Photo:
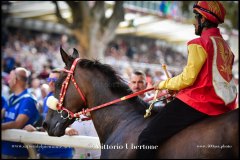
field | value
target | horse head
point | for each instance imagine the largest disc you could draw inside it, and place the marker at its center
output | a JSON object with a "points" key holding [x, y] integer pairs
{"points": [[64, 103], [79, 91]]}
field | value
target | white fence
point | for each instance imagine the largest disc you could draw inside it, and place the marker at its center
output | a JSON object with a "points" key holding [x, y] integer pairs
{"points": [[29, 138]]}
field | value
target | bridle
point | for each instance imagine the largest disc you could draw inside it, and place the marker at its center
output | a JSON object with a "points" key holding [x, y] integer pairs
{"points": [[77, 116], [60, 107]]}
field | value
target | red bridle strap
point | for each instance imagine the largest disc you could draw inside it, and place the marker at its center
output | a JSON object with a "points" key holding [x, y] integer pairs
{"points": [[84, 112], [66, 82]]}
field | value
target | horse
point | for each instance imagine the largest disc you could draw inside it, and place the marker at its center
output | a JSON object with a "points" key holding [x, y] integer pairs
{"points": [[119, 125]]}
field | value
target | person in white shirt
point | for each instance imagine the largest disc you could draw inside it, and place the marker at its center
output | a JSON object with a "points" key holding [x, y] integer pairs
{"points": [[86, 128]]}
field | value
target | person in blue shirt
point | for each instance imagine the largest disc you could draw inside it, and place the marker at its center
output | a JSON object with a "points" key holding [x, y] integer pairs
{"points": [[21, 111], [53, 77], [3, 107], [47, 151]]}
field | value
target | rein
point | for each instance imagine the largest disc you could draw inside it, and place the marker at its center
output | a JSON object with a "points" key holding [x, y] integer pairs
{"points": [[117, 100], [70, 115]]}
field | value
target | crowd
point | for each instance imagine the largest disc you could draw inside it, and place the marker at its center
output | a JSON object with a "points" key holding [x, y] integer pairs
{"points": [[24, 47], [146, 50]]}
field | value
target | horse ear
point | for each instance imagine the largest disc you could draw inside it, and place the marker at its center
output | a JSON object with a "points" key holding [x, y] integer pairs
{"points": [[75, 53], [65, 56]]}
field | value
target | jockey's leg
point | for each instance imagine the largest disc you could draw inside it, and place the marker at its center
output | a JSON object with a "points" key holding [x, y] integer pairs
{"points": [[174, 117]]}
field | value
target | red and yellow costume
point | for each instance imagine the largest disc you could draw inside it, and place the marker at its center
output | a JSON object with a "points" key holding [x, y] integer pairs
{"points": [[206, 82]]}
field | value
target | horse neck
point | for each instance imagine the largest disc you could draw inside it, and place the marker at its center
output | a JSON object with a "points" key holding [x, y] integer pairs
{"points": [[110, 118], [117, 116]]}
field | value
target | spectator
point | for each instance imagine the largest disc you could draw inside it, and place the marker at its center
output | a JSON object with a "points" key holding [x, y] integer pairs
{"points": [[86, 128], [138, 83], [130, 52], [35, 89], [5, 89], [45, 72], [9, 62], [44, 92], [53, 77], [3, 107], [20, 112]]}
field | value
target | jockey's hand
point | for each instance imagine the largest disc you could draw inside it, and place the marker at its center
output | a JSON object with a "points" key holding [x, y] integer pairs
{"points": [[155, 86]]}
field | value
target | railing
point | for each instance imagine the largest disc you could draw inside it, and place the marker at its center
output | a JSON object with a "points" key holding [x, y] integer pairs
{"points": [[30, 138]]}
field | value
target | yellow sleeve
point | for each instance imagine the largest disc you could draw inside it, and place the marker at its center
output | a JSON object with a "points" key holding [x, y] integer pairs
{"points": [[196, 58]]}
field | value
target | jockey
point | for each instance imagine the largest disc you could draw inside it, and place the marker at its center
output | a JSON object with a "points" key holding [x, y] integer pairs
{"points": [[206, 86]]}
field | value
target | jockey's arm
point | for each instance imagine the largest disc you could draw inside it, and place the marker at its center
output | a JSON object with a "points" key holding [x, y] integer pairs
{"points": [[196, 58]]}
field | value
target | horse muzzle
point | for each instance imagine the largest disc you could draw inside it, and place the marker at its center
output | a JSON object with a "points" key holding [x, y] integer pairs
{"points": [[56, 131]]}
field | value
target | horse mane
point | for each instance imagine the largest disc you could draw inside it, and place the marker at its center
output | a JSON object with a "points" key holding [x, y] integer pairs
{"points": [[116, 83]]}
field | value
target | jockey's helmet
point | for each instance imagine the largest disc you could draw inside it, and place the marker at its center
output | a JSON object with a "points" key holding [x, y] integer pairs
{"points": [[211, 10]]}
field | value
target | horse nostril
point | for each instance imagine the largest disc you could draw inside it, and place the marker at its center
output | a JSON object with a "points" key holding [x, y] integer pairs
{"points": [[44, 125]]}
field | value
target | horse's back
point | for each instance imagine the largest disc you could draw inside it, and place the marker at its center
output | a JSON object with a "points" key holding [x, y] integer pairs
{"points": [[215, 137]]}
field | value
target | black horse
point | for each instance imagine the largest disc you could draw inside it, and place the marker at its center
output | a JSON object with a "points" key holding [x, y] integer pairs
{"points": [[119, 125]]}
